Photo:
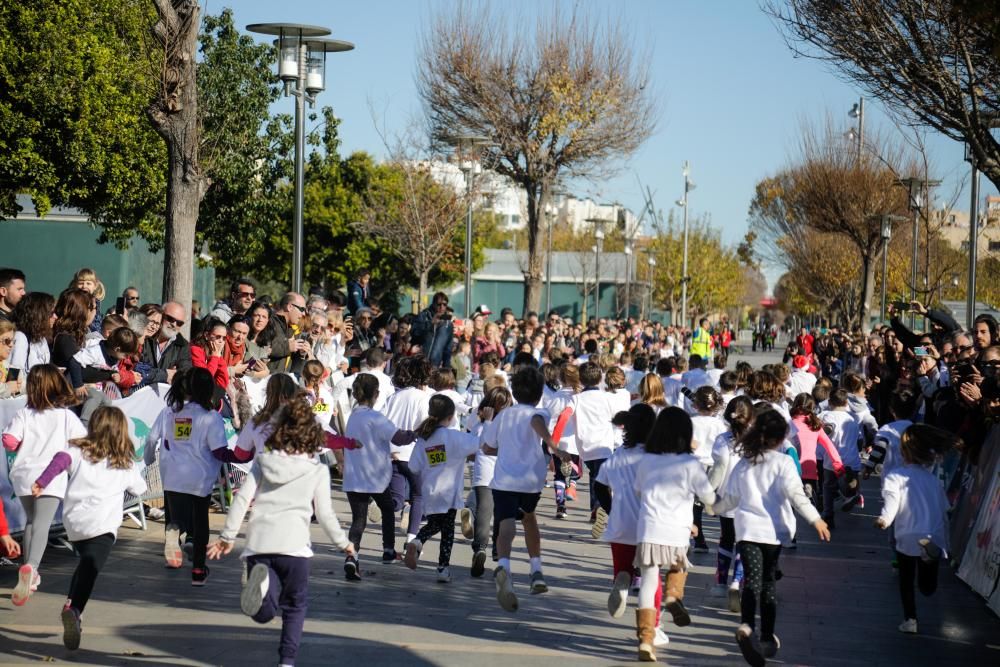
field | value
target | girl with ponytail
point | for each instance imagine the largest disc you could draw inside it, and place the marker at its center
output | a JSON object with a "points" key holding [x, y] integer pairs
{"points": [[438, 460]]}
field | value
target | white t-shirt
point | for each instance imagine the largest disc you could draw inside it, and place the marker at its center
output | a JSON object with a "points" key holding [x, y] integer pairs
{"points": [[706, 428], [369, 469], [763, 495], [440, 463], [696, 378], [800, 382], [672, 391], [591, 420], [521, 464], [891, 434], [621, 401], [714, 374], [252, 438], [25, 356], [667, 485], [94, 496], [618, 473], [917, 506], [482, 470], [632, 380], [844, 438], [462, 409], [189, 438], [555, 404], [724, 459], [406, 409], [43, 434]]}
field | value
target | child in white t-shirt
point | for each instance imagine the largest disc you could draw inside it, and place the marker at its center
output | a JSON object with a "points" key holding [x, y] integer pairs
{"points": [[592, 411], [407, 408], [915, 505], [495, 401], [281, 388], [100, 470], [707, 426], [439, 457], [844, 431], [368, 471], [617, 477], [443, 382], [193, 447], [39, 431], [668, 479], [763, 489], [521, 443]]}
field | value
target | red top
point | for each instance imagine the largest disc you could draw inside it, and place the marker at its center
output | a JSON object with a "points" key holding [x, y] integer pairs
{"points": [[806, 343], [808, 439], [4, 530], [215, 365]]}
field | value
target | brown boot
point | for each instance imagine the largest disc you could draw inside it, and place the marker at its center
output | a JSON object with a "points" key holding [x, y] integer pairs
{"points": [[645, 628], [675, 598]]}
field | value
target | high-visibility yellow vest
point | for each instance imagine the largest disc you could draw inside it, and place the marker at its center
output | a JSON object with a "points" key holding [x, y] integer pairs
{"points": [[701, 343]]}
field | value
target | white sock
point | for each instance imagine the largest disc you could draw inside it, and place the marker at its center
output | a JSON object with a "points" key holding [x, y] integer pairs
{"points": [[504, 563], [410, 537], [536, 564]]}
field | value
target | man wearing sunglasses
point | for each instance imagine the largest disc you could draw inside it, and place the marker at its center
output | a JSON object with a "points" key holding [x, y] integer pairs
{"points": [[168, 351], [242, 294], [291, 320]]}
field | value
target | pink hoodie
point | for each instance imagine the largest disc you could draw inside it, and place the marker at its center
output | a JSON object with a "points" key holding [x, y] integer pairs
{"points": [[808, 440]]}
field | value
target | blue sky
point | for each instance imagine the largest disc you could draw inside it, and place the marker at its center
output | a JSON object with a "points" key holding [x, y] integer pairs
{"points": [[732, 97]]}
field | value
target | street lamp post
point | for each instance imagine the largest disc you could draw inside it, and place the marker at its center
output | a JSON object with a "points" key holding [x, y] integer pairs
{"points": [[599, 236], [886, 235], [302, 68], [628, 278], [858, 111], [688, 187], [466, 147], [917, 189], [970, 293], [651, 264], [551, 212]]}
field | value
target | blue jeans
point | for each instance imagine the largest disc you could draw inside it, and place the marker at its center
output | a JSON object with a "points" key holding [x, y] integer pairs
{"points": [[287, 592]]}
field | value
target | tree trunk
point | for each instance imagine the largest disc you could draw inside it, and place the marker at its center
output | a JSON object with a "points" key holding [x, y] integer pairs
{"points": [[422, 289], [174, 115], [533, 275], [867, 288]]}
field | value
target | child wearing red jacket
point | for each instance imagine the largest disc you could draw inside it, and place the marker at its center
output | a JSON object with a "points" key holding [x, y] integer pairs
{"points": [[810, 435]]}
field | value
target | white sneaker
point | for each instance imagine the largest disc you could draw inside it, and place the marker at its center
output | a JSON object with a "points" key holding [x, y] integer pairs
{"points": [[172, 553], [468, 529], [412, 554], [618, 597], [22, 591], [660, 638], [734, 598], [154, 513], [255, 590], [444, 575], [909, 626], [505, 589], [374, 513]]}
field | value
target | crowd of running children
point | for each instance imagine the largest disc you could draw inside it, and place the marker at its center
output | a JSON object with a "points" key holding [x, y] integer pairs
{"points": [[663, 440]]}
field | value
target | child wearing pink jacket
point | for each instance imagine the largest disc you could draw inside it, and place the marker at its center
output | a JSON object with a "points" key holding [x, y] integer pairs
{"points": [[809, 434]]}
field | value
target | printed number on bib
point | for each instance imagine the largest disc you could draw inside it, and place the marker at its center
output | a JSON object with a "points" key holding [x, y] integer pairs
{"points": [[321, 407], [436, 455], [182, 428]]}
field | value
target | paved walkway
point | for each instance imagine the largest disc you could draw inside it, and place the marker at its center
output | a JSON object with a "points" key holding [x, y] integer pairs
{"points": [[838, 606]]}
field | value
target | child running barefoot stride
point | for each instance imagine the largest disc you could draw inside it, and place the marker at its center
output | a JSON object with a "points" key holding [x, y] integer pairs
{"points": [[438, 459], [617, 476], [915, 504], [520, 444], [38, 432], [667, 480], [287, 485], [763, 488], [100, 470]]}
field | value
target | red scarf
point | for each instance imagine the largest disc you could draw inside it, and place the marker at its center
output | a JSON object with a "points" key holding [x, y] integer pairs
{"points": [[233, 353]]}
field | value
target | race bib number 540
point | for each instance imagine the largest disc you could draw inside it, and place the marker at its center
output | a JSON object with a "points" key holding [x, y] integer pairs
{"points": [[436, 455], [182, 428]]}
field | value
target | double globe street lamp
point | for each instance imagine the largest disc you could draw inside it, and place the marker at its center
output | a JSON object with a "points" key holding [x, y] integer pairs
{"points": [[302, 68]]}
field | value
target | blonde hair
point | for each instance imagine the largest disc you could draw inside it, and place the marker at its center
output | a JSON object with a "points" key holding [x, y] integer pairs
{"points": [[651, 390], [107, 438], [89, 274], [614, 379]]}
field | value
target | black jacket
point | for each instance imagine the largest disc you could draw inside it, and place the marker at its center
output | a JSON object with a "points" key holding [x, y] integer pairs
{"points": [[176, 356]]}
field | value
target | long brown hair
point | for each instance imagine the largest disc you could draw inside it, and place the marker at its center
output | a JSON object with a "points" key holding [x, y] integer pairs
{"points": [[107, 438], [804, 405], [923, 444], [439, 409], [33, 316], [498, 398], [48, 388], [72, 309], [296, 429], [651, 390]]}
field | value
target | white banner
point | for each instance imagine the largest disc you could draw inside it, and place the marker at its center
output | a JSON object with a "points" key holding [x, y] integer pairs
{"points": [[980, 567]]}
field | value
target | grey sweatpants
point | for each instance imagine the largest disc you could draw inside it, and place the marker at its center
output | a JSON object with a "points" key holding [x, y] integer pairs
{"points": [[39, 513]]}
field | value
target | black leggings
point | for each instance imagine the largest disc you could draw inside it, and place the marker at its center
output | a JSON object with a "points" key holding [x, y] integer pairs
{"points": [[190, 513], [926, 574], [359, 518], [760, 561], [445, 524], [93, 553]]}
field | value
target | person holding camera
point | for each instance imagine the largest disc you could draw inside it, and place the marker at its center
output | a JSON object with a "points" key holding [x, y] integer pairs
{"points": [[434, 331]]}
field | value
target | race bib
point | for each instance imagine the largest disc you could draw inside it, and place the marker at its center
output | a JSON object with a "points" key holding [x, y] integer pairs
{"points": [[436, 455], [182, 428], [321, 407]]}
